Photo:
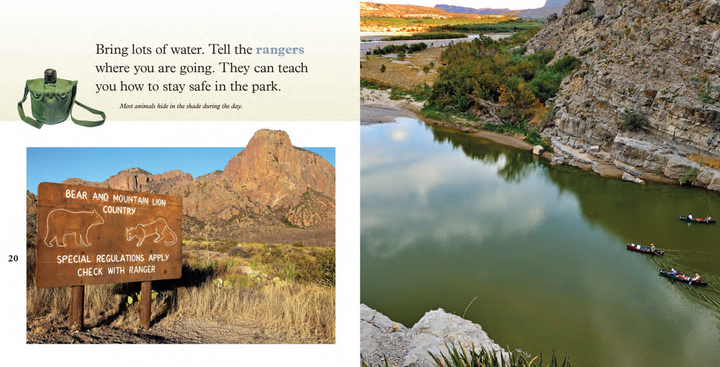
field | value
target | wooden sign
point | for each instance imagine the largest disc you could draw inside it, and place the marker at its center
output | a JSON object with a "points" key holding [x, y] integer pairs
{"points": [[89, 235]]}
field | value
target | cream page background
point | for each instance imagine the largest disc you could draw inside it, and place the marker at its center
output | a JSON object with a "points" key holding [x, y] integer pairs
{"points": [[319, 109], [63, 35]]}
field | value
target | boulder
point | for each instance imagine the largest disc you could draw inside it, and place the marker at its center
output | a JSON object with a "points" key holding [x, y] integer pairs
{"points": [[576, 7], [538, 150], [437, 329], [628, 177], [628, 169], [381, 338], [600, 9]]}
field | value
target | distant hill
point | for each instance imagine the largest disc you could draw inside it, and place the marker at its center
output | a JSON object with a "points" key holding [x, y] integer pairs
{"points": [[368, 9], [466, 10], [549, 3], [551, 6]]}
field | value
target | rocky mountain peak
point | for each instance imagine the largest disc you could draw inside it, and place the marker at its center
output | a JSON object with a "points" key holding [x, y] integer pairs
{"points": [[271, 171]]}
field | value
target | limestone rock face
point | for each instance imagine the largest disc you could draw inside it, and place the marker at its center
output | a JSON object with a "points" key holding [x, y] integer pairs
{"points": [[715, 183], [679, 167], [381, 337], [660, 60]]}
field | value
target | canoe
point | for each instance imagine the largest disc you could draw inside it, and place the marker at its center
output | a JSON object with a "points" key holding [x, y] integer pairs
{"points": [[698, 220], [682, 278], [643, 249]]}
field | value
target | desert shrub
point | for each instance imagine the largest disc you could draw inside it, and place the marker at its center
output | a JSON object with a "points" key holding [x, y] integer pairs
{"points": [[382, 68], [633, 121], [298, 244], [326, 267], [240, 252], [706, 98], [240, 281], [225, 246]]}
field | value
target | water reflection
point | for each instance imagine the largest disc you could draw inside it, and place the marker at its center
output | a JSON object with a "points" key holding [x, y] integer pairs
{"points": [[447, 217]]}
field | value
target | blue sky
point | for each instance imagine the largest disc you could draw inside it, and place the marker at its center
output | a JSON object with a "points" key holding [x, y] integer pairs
{"points": [[97, 164], [498, 4]]}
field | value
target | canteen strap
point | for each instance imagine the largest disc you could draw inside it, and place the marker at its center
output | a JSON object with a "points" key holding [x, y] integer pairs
{"points": [[29, 120], [91, 110]]}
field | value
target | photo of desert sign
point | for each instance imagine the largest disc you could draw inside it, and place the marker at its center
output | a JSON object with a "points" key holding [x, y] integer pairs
{"points": [[240, 251], [540, 183]]}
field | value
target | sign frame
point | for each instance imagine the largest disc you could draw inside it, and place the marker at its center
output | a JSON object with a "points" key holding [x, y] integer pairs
{"points": [[93, 235]]}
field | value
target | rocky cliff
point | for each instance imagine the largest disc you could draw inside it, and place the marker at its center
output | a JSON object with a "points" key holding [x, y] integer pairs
{"points": [[381, 338], [649, 61], [271, 191]]}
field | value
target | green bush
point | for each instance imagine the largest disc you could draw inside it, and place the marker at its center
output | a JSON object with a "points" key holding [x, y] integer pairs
{"points": [[706, 98], [633, 121], [482, 67]]}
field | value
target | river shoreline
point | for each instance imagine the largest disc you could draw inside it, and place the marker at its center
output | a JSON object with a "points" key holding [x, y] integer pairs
{"points": [[377, 107]]}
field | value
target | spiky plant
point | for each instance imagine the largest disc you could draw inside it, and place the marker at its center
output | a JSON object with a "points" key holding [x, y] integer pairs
{"points": [[484, 358]]}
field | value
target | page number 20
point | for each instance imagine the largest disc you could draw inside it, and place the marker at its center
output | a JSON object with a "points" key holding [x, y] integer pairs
{"points": [[13, 258]]}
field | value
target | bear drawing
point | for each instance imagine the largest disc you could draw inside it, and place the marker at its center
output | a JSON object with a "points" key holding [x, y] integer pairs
{"points": [[63, 222]]}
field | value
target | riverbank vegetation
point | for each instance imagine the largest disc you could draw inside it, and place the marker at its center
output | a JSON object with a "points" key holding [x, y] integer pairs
{"points": [[496, 81], [398, 49], [459, 357], [285, 286], [505, 26], [426, 36], [495, 24]]}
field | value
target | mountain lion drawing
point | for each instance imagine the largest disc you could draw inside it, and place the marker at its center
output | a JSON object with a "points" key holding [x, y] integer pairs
{"points": [[159, 228], [62, 223]]}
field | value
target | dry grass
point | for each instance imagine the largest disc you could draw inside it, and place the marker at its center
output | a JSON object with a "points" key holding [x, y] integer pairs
{"points": [[304, 310], [705, 161], [101, 302], [254, 287]]}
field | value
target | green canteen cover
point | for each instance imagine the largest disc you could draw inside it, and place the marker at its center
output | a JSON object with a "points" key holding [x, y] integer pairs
{"points": [[52, 103]]}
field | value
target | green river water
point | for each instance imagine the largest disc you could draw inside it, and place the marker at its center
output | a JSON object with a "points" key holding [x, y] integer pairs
{"points": [[448, 217]]}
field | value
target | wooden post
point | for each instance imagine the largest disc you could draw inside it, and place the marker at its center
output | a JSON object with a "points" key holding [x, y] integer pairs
{"points": [[145, 304], [77, 307]]}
